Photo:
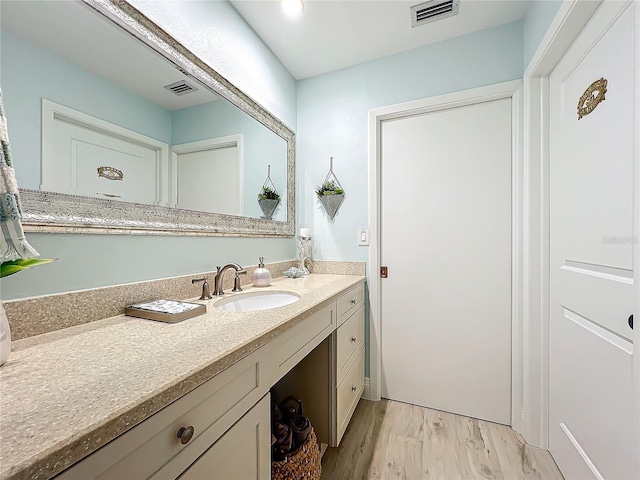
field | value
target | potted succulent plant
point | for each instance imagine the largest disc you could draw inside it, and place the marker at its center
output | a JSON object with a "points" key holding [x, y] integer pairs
{"points": [[331, 195], [6, 269], [268, 198]]}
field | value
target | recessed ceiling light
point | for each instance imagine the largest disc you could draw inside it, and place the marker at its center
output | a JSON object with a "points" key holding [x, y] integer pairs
{"points": [[292, 8]]}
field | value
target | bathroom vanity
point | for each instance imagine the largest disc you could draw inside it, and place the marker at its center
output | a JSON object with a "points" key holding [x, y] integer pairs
{"points": [[133, 398]]}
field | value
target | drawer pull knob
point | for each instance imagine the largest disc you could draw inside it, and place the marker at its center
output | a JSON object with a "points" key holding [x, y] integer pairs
{"points": [[353, 301], [353, 389], [354, 339], [185, 434]]}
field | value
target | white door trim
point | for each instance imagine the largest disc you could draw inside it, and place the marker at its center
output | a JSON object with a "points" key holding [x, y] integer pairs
{"points": [[457, 99], [569, 21]]}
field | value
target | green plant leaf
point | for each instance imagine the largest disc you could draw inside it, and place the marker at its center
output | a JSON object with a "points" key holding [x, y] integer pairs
{"points": [[268, 194], [6, 270], [15, 266], [34, 262], [329, 188]]}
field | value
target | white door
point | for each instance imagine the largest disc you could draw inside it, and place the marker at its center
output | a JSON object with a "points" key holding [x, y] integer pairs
{"points": [[593, 279], [208, 181], [446, 239]]}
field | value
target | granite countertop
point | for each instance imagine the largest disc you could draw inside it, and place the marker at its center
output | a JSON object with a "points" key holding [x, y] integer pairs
{"points": [[66, 393]]}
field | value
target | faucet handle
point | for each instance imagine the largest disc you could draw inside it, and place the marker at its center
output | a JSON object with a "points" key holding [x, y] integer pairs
{"points": [[206, 292], [236, 282]]}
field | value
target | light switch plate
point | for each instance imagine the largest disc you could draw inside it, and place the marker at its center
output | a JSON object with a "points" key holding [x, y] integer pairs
{"points": [[363, 236]]}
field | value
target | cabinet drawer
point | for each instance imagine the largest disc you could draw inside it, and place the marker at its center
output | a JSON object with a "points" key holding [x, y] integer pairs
{"points": [[349, 303], [349, 340], [349, 392], [296, 343], [210, 409], [243, 453]]}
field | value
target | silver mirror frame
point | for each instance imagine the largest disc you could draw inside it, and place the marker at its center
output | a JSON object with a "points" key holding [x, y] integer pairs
{"points": [[62, 213]]}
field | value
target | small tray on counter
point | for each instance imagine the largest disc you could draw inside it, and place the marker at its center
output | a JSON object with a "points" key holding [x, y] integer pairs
{"points": [[170, 311]]}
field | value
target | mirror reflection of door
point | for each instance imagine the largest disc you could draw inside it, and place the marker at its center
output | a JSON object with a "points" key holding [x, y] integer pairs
{"points": [[77, 147], [209, 175]]}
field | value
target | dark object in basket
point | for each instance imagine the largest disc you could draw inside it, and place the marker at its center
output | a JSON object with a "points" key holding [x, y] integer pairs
{"points": [[305, 463], [300, 428], [295, 450], [290, 407], [284, 441], [289, 427]]}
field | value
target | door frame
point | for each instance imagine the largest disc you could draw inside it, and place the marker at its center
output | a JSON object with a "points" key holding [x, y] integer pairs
{"points": [[513, 90], [568, 23]]}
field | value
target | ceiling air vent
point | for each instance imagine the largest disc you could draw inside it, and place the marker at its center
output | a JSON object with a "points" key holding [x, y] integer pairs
{"points": [[434, 10], [181, 88]]}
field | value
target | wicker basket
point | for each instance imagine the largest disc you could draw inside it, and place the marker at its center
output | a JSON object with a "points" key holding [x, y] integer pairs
{"points": [[303, 463]]}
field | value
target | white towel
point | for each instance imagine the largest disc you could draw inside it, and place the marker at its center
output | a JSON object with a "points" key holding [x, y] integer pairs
{"points": [[13, 244]]}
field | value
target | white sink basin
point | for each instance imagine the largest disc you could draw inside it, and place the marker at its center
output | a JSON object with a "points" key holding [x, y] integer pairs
{"points": [[248, 302]]}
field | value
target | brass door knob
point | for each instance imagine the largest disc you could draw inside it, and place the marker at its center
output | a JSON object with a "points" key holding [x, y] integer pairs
{"points": [[185, 434]]}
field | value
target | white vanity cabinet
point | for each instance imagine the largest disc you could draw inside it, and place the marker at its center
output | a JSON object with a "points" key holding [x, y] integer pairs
{"points": [[349, 340], [330, 376], [221, 429], [296, 343], [170, 441]]}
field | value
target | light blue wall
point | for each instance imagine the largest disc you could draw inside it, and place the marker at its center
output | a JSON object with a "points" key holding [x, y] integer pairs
{"points": [[216, 32], [89, 261], [333, 120], [536, 23], [261, 147], [29, 73]]}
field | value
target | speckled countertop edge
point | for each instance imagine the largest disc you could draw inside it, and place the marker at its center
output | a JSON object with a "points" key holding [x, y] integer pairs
{"points": [[65, 394]]}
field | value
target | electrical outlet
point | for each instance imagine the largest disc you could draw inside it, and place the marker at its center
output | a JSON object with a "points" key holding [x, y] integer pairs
{"points": [[363, 236]]}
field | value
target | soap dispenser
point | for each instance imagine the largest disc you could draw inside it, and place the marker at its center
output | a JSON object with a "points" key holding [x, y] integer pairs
{"points": [[261, 275]]}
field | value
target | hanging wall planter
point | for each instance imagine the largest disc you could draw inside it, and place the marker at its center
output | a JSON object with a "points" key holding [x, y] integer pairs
{"points": [[330, 193], [268, 198]]}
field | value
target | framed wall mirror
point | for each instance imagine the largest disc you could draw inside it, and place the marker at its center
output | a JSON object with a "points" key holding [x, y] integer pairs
{"points": [[116, 127]]}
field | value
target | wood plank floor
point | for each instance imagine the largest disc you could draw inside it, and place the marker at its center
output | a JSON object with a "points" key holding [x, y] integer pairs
{"points": [[394, 440]]}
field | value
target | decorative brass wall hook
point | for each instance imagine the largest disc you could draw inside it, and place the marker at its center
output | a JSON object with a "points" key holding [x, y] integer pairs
{"points": [[592, 97], [110, 173]]}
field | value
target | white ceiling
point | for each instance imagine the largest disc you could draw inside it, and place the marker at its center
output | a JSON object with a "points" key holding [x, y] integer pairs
{"points": [[333, 34]]}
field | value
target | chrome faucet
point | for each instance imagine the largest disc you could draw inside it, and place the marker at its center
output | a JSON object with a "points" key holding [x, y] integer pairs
{"points": [[220, 271]]}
